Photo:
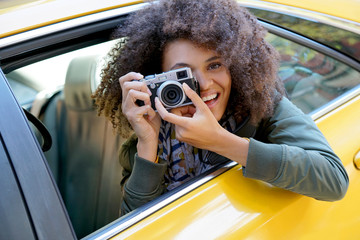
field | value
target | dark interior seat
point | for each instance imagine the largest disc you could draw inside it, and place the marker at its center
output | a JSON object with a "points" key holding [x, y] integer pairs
{"points": [[84, 155]]}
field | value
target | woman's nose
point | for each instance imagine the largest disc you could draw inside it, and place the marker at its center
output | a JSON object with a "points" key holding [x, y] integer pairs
{"points": [[204, 81]]}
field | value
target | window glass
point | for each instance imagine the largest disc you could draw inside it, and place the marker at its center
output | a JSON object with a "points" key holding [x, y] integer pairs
{"points": [[343, 40], [48, 75], [312, 79]]}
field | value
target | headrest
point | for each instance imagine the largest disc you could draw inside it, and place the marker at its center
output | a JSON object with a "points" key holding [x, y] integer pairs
{"points": [[81, 77]]}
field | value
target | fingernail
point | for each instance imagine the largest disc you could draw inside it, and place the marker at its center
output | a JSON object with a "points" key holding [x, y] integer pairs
{"points": [[185, 86], [140, 75]]}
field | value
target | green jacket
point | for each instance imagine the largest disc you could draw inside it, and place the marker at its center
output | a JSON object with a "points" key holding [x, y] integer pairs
{"points": [[287, 150]]}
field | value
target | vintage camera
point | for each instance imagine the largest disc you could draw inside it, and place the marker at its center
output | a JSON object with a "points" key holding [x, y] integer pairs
{"points": [[167, 87]]}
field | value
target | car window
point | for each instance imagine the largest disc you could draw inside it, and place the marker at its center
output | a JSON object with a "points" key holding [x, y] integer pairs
{"points": [[344, 40], [90, 188], [25, 94], [312, 79], [48, 75], [83, 156]]}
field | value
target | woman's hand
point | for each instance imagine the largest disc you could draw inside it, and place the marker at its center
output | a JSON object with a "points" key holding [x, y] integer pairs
{"points": [[143, 119], [197, 126]]}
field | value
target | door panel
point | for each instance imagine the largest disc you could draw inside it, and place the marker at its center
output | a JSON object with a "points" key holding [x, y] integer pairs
{"points": [[41, 198], [12, 206], [232, 206]]}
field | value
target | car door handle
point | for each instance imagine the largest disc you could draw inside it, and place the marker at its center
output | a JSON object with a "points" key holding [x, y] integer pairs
{"points": [[357, 160]]}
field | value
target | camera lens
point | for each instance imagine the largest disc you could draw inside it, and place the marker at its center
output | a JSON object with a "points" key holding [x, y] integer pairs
{"points": [[171, 94]]}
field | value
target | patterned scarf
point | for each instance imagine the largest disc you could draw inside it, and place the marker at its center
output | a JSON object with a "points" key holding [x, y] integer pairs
{"points": [[185, 161]]}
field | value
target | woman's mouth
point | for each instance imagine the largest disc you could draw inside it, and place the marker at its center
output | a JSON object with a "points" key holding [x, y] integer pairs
{"points": [[210, 99]]}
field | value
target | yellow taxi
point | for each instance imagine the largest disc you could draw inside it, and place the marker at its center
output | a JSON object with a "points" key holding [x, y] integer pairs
{"points": [[59, 172]]}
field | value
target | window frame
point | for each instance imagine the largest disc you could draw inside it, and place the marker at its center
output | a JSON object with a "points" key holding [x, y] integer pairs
{"points": [[34, 181], [39, 44]]}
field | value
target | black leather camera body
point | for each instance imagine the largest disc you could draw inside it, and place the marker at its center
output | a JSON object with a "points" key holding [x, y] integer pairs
{"points": [[168, 88]]}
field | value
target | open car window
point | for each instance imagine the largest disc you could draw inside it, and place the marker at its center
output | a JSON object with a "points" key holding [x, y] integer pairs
{"points": [[84, 160], [311, 78], [49, 75]]}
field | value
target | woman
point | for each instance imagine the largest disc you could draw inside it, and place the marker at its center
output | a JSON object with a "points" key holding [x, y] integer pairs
{"points": [[240, 114]]}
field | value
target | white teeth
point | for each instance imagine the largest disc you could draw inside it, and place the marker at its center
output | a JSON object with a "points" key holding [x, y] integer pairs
{"points": [[210, 97]]}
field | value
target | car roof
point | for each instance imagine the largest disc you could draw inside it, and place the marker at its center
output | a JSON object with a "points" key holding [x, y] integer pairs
{"points": [[24, 15]]}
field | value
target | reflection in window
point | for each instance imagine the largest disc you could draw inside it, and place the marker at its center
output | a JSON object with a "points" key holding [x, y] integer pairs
{"points": [[311, 78], [345, 41]]}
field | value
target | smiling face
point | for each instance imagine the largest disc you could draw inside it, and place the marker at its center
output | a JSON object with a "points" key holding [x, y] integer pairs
{"points": [[208, 68]]}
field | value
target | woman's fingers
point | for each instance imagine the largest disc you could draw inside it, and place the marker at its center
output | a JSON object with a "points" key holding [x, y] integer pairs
{"points": [[169, 117], [195, 98], [180, 116], [129, 82], [129, 101], [136, 115], [134, 86], [130, 77], [135, 95], [133, 90]]}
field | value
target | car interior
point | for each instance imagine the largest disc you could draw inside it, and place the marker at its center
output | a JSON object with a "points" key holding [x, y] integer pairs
{"points": [[84, 158], [84, 153]]}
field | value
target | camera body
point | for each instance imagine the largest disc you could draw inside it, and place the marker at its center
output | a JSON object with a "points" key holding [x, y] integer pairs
{"points": [[168, 88]]}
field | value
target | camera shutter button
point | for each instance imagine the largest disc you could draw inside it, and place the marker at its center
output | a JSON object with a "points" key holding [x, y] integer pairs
{"points": [[152, 85]]}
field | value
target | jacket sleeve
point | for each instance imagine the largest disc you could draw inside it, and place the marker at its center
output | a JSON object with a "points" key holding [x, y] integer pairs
{"points": [[142, 180], [296, 156]]}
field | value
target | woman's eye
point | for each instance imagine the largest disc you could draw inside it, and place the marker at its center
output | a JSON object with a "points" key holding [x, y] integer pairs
{"points": [[214, 66]]}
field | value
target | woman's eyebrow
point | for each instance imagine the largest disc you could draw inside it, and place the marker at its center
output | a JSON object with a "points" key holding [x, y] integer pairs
{"points": [[180, 64], [213, 58], [177, 65]]}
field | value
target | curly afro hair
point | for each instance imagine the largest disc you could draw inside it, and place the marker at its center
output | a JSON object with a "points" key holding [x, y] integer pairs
{"points": [[219, 25]]}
